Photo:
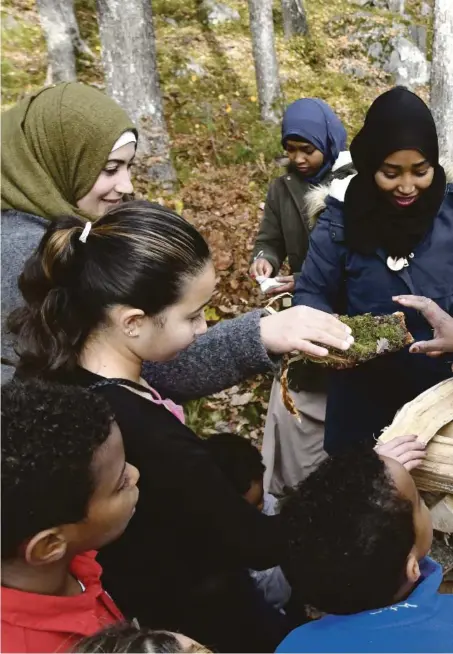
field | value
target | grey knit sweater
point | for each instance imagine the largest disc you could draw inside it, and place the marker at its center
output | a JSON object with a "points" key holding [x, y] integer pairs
{"points": [[227, 354]]}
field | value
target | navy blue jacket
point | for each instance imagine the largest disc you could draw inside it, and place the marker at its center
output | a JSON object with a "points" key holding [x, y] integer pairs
{"points": [[362, 401], [421, 623]]}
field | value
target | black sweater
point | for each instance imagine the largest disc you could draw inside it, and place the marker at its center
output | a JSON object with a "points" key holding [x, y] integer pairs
{"points": [[189, 526]]}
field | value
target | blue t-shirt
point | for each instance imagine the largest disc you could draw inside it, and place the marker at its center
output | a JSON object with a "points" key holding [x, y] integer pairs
{"points": [[421, 623]]}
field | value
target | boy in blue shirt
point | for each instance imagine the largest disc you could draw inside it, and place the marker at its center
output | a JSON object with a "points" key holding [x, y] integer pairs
{"points": [[358, 535]]}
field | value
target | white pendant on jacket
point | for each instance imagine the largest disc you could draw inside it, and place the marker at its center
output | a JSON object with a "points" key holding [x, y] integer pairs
{"points": [[396, 264]]}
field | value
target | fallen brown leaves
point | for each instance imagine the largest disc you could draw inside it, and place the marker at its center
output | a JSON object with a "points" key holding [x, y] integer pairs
{"points": [[224, 204]]}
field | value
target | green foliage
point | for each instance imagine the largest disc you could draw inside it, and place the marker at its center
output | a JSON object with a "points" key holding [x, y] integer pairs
{"points": [[175, 9], [23, 65]]}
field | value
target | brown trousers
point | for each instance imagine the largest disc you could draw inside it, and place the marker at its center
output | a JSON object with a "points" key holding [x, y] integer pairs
{"points": [[291, 449]]}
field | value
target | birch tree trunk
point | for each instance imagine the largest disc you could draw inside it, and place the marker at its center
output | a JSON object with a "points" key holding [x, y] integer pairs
{"points": [[129, 60], [264, 55], [294, 18], [56, 20], [397, 6], [442, 76], [63, 38]]}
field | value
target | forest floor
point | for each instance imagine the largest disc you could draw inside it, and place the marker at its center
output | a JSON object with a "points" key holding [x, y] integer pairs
{"points": [[225, 156]]}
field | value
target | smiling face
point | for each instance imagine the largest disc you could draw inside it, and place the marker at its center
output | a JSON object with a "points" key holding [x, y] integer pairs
{"points": [[404, 176], [112, 184], [304, 156]]}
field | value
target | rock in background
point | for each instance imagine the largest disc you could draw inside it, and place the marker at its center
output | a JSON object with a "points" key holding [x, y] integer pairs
{"points": [[394, 46]]}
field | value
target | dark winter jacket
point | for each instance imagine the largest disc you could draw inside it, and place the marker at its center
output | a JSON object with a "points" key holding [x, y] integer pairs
{"points": [[228, 353], [285, 228], [362, 401], [285, 232]]}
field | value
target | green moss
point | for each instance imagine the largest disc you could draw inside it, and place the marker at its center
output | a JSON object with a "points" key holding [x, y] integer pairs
{"points": [[373, 335], [368, 330]]}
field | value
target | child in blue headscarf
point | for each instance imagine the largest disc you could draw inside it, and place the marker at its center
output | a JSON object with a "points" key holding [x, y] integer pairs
{"points": [[315, 140]]}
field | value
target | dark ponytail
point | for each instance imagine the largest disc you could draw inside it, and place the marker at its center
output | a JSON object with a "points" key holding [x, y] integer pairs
{"points": [[137, 254], [49, 327]]}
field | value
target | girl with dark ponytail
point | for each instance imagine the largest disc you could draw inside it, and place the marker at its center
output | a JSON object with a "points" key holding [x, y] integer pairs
{"points": [[101, 298]]}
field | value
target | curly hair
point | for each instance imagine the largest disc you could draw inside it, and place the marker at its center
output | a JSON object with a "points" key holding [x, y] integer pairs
{"points": [[124, 637], [49, 436], [240, 461], [349, 535]]}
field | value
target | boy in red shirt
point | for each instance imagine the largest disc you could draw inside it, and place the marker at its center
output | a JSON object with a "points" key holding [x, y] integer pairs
{"points": [[66, 491]]}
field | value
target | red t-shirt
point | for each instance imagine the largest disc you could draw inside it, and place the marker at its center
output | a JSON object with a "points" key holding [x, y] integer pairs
{"points": [[48, 623]]}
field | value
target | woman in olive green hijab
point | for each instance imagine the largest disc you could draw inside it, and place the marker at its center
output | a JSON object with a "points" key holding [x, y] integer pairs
{"points": [[65, 150], [55, 145]]}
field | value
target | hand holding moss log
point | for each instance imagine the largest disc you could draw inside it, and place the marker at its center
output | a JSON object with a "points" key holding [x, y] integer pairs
{"points": [[440, 321], [373, 336], [306, 330]]}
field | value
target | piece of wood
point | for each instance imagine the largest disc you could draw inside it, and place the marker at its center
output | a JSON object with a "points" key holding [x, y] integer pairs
{"points": [[374, 336], [442, 515], [425, 416]]}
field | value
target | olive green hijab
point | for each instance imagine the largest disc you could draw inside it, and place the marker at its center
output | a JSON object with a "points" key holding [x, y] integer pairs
{"points": [[54, 147]]}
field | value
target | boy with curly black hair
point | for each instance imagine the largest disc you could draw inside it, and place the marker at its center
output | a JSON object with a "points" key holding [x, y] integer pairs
{"points": [[66, 490], [359, 534]]}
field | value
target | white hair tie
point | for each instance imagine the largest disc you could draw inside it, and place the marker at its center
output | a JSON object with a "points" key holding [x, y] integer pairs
{"points": [[86, 230]]}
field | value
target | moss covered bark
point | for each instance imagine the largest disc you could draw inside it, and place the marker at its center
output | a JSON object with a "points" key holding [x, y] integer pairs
{"points": [[374, 336]]}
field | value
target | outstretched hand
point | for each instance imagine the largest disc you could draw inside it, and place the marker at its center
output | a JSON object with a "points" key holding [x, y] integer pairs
{"points": [[299, 328], [440, 321], [404, 449]]}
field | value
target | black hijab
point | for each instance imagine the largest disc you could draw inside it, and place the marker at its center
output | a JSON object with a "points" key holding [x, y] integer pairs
{"points": [[397, 120]]}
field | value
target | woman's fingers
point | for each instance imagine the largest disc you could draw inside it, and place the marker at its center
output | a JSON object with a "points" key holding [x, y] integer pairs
{"points": [[311, 349], [440, 321], [407, 450], [285, 288], [417, 302], [291, 330], [260, 268], [432, 348]]}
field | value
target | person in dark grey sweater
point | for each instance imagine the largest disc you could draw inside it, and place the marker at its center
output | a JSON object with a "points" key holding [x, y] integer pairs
{"points": [[57, 148]]}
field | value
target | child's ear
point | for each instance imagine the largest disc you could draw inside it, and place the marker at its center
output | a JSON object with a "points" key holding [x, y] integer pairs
{"points": [[412, 568], [129, 320], [46, 547]]}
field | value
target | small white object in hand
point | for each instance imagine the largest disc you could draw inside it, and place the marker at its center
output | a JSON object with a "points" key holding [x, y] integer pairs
{"points": [[266, 283]]}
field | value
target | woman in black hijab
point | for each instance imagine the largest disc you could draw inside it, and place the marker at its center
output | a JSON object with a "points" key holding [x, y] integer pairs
{"points": [[386, 231], [381, 208]]}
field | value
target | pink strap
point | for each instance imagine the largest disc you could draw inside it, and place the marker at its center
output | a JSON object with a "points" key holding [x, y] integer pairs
{"points": [[176, 409]]}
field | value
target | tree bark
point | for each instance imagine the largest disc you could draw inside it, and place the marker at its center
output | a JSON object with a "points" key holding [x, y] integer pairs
{"points": [[442, 76], [129, 59], [264, 55], [58, 22], [397, 6], [294, 18]]}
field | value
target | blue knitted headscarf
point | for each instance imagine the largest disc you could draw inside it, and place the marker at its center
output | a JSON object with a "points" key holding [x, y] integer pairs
{"points": [[312, 120]]}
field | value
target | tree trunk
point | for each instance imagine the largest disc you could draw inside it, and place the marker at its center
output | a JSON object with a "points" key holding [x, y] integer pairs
{"points": [[129, 59], [397, 6], [264, 55], [442, 76], [58, 20], [294, 18]]}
